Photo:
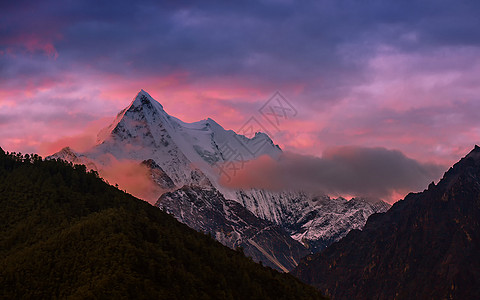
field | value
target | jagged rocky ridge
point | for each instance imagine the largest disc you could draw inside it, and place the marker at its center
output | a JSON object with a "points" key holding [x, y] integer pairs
{"points": [[206, 209], [315, 221], [425, 247], [180, 154]]}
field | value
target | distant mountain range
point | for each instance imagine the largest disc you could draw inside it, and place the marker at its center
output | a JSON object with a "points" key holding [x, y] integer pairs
{"points": [[184, 163], [426, 246]]}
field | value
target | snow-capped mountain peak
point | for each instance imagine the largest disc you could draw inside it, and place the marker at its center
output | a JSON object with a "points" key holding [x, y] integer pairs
{"points": [[144, 130], [179, 154], [144, 98], [142, 105]]}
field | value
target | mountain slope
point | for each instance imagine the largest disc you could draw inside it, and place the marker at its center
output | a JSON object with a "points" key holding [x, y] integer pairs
{"points": [[177, 154], [315, 221], [196, 154], [206, 210], [67, 234], [425, 247]]}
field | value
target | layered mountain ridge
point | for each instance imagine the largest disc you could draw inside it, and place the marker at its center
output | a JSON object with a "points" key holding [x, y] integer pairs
{"points": [[207, 210], [315, 221], [425, 247], [189, 156]]}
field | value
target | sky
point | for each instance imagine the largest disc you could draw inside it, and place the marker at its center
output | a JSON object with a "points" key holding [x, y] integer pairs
{"points": [[403, 76]]}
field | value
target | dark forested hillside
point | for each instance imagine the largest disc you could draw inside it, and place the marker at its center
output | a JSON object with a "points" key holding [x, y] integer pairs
{"points": [[66, 233]]}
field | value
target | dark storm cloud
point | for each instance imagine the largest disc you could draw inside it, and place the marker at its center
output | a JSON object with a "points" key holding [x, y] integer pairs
{"points": [[271, 41], [357, 171]]}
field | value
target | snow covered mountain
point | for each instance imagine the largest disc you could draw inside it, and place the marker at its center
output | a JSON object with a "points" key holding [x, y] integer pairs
{"points": [[144, 131], [183, 157], [315, 221], [206, 209]]}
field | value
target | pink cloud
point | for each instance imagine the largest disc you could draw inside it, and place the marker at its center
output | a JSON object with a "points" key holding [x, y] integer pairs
{"points": [[133, 177], [30, 43], [421, 111], [80, 142]]}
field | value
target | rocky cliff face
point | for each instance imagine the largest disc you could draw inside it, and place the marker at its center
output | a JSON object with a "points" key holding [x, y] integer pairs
{"points": [[315, 221], [425, 247], [205, 209]]}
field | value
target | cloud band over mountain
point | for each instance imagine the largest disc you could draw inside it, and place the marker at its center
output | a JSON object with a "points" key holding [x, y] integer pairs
{"points": [[349, 170]]}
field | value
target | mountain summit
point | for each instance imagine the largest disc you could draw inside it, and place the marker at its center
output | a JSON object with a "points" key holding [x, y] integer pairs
{"points": [[425, 247], [144, 98], [184, 161], [143, 130], [142, 104]]}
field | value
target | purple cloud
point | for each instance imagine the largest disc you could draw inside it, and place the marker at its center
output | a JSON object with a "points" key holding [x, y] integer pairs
{"points": [[403, 75]]}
